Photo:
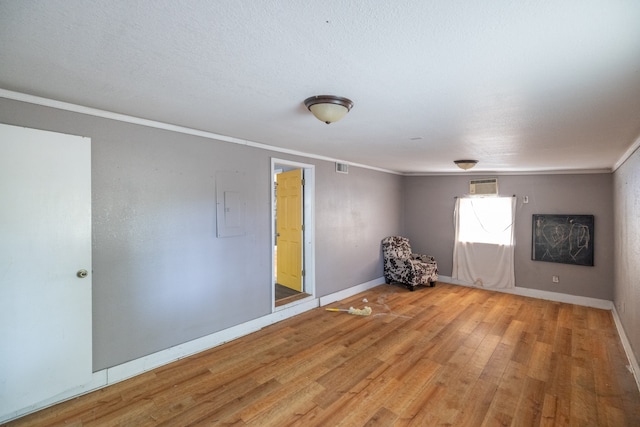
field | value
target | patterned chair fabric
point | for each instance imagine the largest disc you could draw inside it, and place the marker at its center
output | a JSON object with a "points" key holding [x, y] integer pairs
{"points": [[403, 266]]}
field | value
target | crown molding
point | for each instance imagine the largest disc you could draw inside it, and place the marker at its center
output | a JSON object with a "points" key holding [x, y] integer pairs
{"points": [[96, 112], [634, 147]]}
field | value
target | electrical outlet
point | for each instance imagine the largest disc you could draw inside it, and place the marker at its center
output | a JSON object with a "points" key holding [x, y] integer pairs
{"points": [[525, 199], [555, 279]]}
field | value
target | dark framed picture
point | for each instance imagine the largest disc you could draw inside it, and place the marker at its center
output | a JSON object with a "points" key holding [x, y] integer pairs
{"points": [[567, 239]]}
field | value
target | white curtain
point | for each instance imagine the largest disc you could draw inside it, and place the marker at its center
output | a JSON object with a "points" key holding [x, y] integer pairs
{"points": [[483, 253]]}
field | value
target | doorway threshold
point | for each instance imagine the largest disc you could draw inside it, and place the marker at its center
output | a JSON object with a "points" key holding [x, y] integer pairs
{"points": [[290, 299]]}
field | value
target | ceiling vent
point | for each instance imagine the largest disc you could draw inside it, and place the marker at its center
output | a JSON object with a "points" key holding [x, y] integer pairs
{"points": [[342, 168], [483, 187]]}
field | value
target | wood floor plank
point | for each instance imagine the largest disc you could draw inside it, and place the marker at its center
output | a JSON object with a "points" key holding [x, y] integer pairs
{"points": [[559, 388], [583, 397], [382, 418], [529, 410], [550, 411], [295, 397], [563, 342], [447, 355], [524, 348], [504, 406], [369, 399], [340, 380], [413, 387], [540, 362]]}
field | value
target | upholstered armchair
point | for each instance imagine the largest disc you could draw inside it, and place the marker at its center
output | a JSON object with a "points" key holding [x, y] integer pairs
{"points": [[404, 267]]}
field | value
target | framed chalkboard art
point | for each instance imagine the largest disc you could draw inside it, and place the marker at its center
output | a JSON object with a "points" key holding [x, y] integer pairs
{"points": [[567, 239]]}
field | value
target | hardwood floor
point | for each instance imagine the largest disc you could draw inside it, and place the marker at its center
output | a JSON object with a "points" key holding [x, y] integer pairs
{"points": [[447, 355]]}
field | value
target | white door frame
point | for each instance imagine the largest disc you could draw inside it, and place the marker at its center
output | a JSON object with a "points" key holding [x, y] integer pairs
{"points": [[309, 258]]}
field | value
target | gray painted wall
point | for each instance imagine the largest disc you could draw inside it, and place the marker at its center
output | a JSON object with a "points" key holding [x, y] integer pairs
{"points": [[161, 277], [429, 202], [626, 295], [359, 210]]}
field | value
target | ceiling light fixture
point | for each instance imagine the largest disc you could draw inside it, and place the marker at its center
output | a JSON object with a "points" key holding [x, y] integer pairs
{"points": [[328, 108], [465, 164]]}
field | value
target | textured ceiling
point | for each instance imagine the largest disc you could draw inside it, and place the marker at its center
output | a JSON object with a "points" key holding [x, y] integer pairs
{"points": [[522, 86]]}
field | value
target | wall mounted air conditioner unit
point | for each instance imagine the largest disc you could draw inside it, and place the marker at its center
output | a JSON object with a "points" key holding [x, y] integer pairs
{"points": [[483, 187]]}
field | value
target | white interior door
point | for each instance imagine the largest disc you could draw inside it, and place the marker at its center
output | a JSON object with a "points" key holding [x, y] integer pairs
{"points": [[45, 240]]}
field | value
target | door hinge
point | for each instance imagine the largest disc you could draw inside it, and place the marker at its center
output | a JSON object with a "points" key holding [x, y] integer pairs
{"points": [[302, 182], [302, 273], [302, 227]]}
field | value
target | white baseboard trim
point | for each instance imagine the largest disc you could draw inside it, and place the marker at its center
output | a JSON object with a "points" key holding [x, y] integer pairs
{"points": [[537, 293], [340, 295], [115, 374], [633, 362], [98, 380], [110, 376], [135, 367]]}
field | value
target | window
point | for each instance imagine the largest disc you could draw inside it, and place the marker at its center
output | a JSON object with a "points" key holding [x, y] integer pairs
{"points": [[485, 220], [483, 251]]}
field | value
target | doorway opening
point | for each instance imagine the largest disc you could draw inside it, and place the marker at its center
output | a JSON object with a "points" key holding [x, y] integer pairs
{"points": [[293, 258]]}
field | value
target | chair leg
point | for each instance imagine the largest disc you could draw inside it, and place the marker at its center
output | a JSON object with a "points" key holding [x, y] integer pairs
{"points": [[411, 288], [432, 284]]}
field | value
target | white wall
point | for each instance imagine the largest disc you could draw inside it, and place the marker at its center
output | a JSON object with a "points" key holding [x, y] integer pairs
{"points": [[626, 293]]}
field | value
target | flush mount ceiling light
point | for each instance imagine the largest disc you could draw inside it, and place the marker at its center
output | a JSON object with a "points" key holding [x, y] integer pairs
{"points": [[328, 108], [465, 164]]}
